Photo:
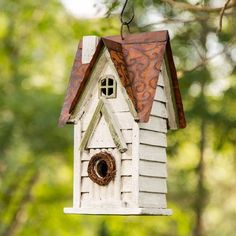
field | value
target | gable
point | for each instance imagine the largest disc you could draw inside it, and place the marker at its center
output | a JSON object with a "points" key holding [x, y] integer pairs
{"points": [[103, 113], [138, 60]]}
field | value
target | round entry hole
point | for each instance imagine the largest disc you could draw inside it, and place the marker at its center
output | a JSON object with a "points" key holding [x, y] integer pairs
{"points": [[102, 168]]}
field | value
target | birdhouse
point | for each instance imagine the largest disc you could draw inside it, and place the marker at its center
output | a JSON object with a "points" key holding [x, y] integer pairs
{"points": [[123, 97]]}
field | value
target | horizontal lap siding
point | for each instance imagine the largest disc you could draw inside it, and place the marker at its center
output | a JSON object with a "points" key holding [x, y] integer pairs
{"points": [[159, 109], [157, 124], [152, 153], [153, 138], [152, 169], [160, 94], [152, 184], [152, 200]]}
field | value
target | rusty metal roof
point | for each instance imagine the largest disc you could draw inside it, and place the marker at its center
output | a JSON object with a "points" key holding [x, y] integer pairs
{"points": [[138, 60]]}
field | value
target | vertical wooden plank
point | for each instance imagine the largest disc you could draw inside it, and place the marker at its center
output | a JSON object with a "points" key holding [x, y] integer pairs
{"points": [[77, 166], [117, 182], [92, 187], [135, 163], [89, 46], [171, 104]]}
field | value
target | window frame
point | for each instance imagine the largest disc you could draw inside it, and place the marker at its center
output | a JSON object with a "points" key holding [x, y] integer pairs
{"points": [[107, 86]]}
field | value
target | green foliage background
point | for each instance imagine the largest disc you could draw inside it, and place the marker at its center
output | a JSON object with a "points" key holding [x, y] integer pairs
{"points": [[38, 40]]}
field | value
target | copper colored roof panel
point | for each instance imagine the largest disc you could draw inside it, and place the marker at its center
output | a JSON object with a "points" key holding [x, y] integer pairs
{"points": [[138, 60]]}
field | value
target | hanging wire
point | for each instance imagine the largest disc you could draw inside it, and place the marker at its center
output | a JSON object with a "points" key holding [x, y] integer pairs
{"points": [[123, 21]]}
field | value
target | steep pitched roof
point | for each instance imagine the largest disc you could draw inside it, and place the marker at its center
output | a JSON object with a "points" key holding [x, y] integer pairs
{"points": [[138, 60]]}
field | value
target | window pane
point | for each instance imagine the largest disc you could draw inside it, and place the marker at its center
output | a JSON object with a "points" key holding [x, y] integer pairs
{"points": [[110, 91], [103, 82], [110, 82], [103, 91]]}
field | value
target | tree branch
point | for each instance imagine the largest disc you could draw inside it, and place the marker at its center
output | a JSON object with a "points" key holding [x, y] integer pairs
{"points": [[206, 60], [198, 8], [222, 15]]}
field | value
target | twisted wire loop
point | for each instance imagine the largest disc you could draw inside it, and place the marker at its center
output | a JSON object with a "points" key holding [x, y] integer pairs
{"points": [[123, 21]]}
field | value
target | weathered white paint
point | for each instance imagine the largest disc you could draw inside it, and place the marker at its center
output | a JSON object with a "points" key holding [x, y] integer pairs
{"points": [[89, 47], [119, 211], [127, 134], [159, 109], [117, 181], [140, 183], [101, 136], [77, 166], [135, 162], [126, 167], [127, 200], [153, 138], [152, 153], [122, 89], [90, 92], [125, 120], [126, 184], [128, 154], [155, 124], [171, 110], [160, 81], [152, 169], [160, 94], [151, 184], [85, 184], [152, 200]]}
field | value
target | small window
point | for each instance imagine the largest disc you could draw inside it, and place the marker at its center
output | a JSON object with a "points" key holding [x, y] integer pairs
{"points": [[108, 87]]}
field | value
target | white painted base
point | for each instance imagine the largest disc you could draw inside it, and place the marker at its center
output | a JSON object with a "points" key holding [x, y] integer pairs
{"points": [[119, 211]]}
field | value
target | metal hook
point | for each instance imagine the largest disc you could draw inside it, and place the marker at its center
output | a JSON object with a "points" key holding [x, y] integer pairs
{"points": [[123, 22]]}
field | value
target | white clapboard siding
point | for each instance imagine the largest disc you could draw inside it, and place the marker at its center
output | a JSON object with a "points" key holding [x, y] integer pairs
{"points": [[151, 184], [153, 138], [85, 184], [126, 167], [152, 200], [84, 168], [85, 199], [151, 153], [160, 81], [156, 124], [160, 94], [159, 109], [128, 154], [126, 184], [127, 200], [153, 169], [85, 155]]}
